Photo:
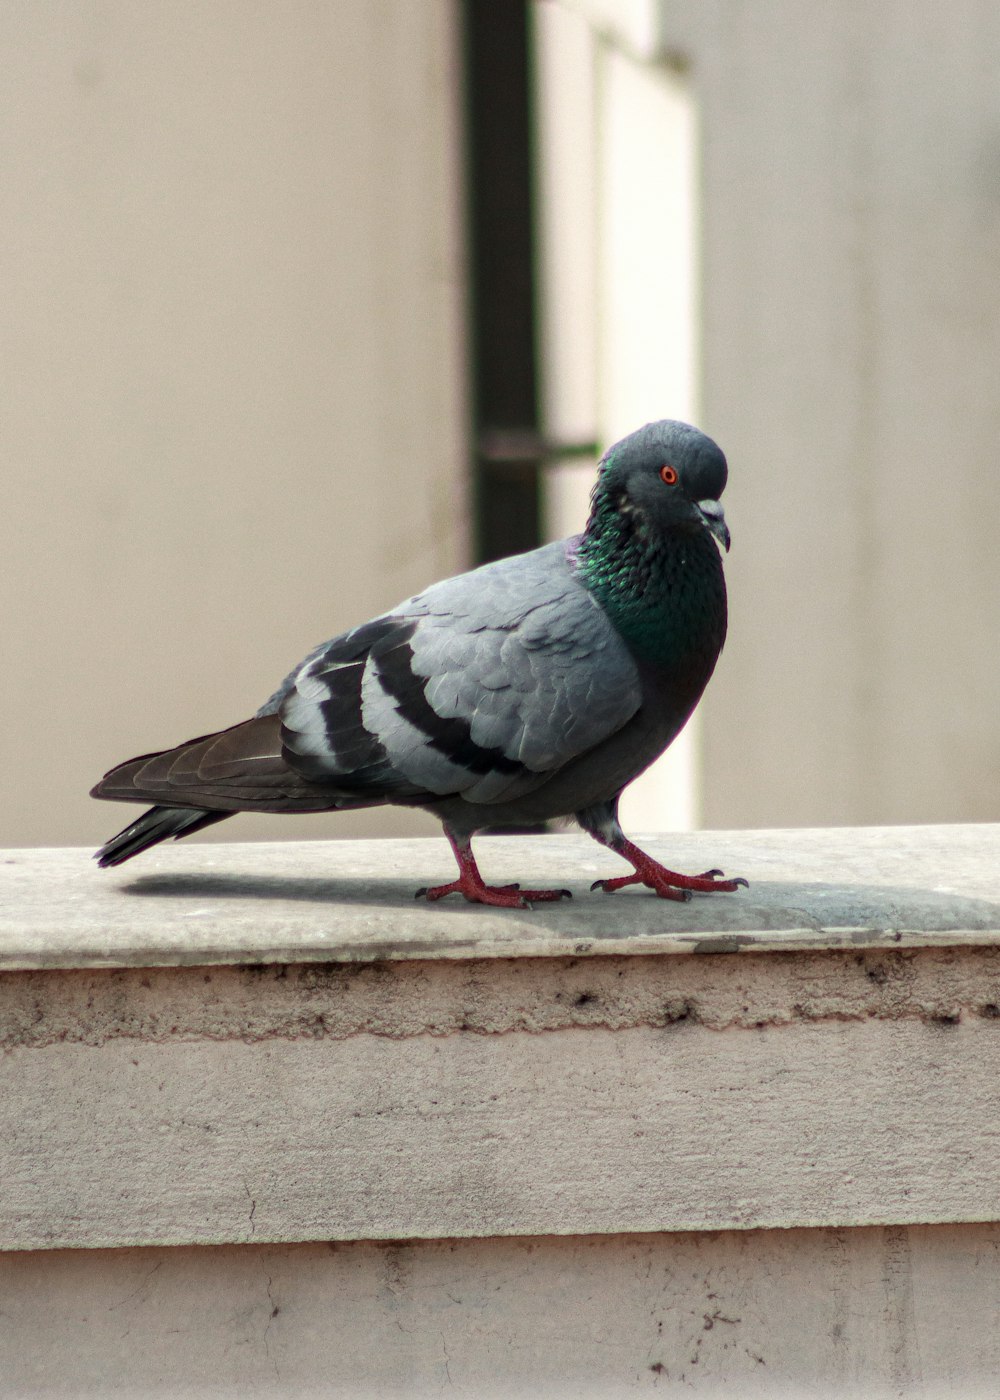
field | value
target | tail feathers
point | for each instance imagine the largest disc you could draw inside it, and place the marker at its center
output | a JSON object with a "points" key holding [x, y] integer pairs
{"points": [[154, 826], [240, 769]]}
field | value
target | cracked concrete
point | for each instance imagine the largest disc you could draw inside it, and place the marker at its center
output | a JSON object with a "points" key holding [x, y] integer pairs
{"points": [[273, 1311], [570, 1131]]}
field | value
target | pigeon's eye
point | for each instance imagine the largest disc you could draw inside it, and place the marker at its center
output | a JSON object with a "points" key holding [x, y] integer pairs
{"points": [[668, 475]]}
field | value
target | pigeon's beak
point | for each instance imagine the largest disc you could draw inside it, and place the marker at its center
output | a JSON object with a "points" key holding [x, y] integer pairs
{"points": [[711, 513]]}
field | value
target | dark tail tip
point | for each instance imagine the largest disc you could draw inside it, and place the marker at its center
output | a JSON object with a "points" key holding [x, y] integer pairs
{"points": [[154, 826]]}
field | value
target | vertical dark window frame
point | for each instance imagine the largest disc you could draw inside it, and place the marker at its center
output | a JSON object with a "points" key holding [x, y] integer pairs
{"points": [[508, 447], [501, 263]]}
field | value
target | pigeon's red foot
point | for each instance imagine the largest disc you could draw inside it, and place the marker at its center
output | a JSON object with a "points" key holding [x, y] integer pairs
{"points": [[667, 884], [502, 896], [471, 885]]}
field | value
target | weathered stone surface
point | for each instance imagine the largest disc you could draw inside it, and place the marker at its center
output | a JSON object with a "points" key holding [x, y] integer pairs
{"points": [[373, 1068], [353, 901], [491, 996], [572, 1131]]}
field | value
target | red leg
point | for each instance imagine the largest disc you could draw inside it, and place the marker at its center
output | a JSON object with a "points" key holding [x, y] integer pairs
{"points": [[667, 884], [471, 885]]}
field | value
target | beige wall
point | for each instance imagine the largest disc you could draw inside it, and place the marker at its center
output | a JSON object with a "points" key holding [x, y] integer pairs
{"points": [[848, 344], [851, 333], [232, 347]]}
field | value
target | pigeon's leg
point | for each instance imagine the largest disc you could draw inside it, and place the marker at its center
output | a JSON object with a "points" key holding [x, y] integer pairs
{"points": [[601, 822], [471, 884]]}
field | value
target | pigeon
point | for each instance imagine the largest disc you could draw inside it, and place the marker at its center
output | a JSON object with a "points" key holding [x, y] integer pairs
{"points": [[531, 688]]}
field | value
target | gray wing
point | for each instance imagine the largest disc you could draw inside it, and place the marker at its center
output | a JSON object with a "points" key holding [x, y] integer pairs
{"points": [[483, 686]]}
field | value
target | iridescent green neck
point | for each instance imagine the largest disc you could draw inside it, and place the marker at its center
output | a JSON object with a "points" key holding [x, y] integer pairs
{"points": [[664, 592]]}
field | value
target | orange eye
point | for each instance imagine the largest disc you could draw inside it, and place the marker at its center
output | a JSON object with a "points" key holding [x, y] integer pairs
{"points": [[668, 475]]}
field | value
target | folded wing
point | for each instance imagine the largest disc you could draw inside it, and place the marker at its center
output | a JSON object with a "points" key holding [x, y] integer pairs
{"points": [[481, 687]]}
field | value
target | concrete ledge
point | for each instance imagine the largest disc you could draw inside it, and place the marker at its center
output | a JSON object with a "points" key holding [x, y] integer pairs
{"points": [[352, 901], [467, 1073]]}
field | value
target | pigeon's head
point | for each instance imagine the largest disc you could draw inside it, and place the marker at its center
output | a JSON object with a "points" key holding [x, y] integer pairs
{"points": [[667, 477]]}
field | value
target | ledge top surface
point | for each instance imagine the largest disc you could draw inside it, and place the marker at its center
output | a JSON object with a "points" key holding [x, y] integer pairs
{"points": [[353, 901]]}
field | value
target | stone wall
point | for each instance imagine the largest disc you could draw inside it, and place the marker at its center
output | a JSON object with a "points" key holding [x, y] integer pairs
{"points": [[267, 1122]]}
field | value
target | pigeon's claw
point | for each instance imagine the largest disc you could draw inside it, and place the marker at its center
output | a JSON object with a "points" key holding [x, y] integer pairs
{"points": [[667, 884], [471, 885], [664, 890], [500, 896]]}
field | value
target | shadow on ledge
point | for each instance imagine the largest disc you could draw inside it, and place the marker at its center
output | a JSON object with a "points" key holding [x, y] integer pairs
{"points": [[767, 906], [385, 889]]}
